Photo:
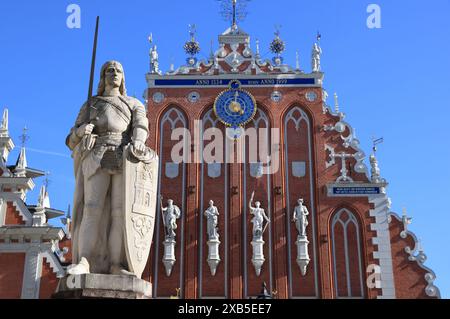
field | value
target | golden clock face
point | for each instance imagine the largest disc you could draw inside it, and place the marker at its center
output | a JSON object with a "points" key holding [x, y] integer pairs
{"points": [[235, 107]]}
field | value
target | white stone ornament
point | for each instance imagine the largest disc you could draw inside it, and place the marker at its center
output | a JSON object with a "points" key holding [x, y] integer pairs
{"points": [[158, 97], [276, 96], [212, 216], [311, 96], [169, 255], [300, 218], [194, 97], [171, 214], [259, 228], [315, 58]]}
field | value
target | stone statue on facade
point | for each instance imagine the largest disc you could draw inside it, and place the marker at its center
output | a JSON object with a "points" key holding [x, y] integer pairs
{"points": [[116, 180], [170, 215], [300, 218], [212, 216], [258, 219], [154, 60], [316, 52]]}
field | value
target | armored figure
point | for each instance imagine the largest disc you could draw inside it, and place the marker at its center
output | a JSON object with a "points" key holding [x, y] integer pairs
{"points": [[212, 215], [258, 219], [170, 215], [316, 52], [106, 125], [154, 60], [300, 218]]}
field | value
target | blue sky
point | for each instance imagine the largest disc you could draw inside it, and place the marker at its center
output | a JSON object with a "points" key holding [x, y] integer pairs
{"points": [[392, 82]]}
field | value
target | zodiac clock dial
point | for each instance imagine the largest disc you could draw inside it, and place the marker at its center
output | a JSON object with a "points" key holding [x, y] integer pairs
{"points": [[235, 107]]}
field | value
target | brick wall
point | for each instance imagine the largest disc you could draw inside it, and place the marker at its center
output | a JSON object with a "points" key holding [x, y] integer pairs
{"points": [[408, 275], [11, 275], [49, 281], [294, 144], [12, 216]]}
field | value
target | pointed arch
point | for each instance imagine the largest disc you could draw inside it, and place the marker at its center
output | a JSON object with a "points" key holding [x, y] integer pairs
{"points": [[299, 183], [347, 258], [171, 185], [262, 185], [213, 186]]}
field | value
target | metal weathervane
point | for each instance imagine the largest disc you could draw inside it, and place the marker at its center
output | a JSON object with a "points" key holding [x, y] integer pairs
{"points": [[376, 142], [24, 137], [234, 10]]}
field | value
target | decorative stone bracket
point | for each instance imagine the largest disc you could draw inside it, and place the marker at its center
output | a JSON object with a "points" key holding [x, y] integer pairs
{"points": [[213, 255], [258, 255], [169, 255], [302, 254]]}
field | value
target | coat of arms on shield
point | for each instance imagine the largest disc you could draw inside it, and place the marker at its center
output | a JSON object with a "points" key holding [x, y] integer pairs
{"points": [[141, 183]]}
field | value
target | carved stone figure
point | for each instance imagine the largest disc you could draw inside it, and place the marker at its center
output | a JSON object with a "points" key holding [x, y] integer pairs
{"points": [[258, 219], [316, 52], [154, 60], [300, 218], [212, 216], [170, 215], [108, 140]]}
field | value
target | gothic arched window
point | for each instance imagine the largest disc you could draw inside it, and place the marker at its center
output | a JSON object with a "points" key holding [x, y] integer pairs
{"points": [[346, 253]]}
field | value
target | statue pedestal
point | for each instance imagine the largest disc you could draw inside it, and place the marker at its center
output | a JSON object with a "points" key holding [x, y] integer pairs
{"points": [[169, 255], [258, 255], [213, 255], [302, 254], [98, 286]]}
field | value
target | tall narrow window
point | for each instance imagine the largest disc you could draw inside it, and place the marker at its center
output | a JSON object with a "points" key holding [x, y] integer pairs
{"points": [[347, 256]]}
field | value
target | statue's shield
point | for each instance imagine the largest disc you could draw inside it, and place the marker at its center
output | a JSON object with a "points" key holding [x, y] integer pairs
{"points": [[141, 182]]}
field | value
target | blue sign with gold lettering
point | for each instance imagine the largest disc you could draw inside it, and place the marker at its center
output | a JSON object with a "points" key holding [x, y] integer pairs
{"points": [[235, 107]]}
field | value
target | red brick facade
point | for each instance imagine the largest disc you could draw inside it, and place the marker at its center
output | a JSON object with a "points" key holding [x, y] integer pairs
{"points": [[296, 147], [11, 275], [49, 281], [12, 216]]}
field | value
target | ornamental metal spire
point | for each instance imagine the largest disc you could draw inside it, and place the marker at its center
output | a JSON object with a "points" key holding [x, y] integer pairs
{"points": [[192, 47], [24, 137], [277, 46], [21, 164], [336, 103], [234, 25], [234, 11], [375, 142], [4, 125]]}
